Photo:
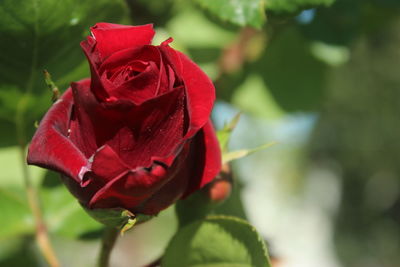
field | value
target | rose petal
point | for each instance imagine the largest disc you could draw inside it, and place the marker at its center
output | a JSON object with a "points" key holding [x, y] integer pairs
{"points": [[129, 189], [94, 59], [170, 192], [200, 91], [136, 133], [138, 190], [111, 38], [204, 160], [92, 124], [153, 129], [124, 57], [200, 94], [106, 164], [140, 88], [51, 148], [125, 72], [113, 64], [165, 197]]}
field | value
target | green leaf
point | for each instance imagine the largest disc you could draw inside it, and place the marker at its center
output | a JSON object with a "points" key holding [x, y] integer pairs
{"points": [[290, 6], [19, 251], [15, 215], [37, 35], [290, 74], [253, 96], [11, 169], [239, 12], [63, 214], [224, 134], [196, 207], [207, 35], [61, 211], [232, 155], [46, 34], [217, 241]]}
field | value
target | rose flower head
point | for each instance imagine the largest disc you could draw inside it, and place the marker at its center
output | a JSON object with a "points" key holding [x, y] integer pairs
{"points": [[137, 134]]}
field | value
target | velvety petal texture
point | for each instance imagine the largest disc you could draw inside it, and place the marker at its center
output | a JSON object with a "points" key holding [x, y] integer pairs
{"points": [[137, 134]]}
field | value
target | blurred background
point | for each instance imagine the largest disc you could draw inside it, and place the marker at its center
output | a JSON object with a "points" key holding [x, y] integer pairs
{"points": [[319, 77]]}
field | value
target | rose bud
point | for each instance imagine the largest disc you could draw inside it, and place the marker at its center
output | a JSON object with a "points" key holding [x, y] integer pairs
{"points": [[220, 188], [137, 134]]}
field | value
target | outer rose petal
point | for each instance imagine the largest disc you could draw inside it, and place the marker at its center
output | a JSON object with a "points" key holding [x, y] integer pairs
{"points": [[200, 91], [111, 38], [166, 196], [51, 148], [133, 188], [146, 192], [107, 165], [204, 162], [213, 158], [175, 187], [91, 124]]}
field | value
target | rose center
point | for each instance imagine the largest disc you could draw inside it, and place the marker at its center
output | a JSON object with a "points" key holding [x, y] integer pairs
{"points": [[127, 72]]}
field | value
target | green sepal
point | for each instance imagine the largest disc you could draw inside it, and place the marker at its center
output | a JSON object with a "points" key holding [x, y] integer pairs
{"points": [[224, 134], [129, 224], [118, 218], [232, 155], [111, 217]]}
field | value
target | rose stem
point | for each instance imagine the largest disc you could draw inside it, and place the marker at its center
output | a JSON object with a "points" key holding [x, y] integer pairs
{"points": [[110, 235], [42, 237]]}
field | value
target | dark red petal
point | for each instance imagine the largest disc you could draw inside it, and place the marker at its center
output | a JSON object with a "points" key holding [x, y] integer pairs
{"points": [[94, 59], [172, 57], [106, 164], [200, 94], [102, 87], [124, 57], [92, 125], [106, 25], [51, 147], [129, 189], [204, 160], [140, 88], [142, 190], [153, 129], [111, 38], [165, 197], [137, 134], [124, 72], [171, 191], [103, 166], [200, 91]]}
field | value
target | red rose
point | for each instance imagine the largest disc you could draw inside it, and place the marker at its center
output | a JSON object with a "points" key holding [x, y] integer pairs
{"points": [[137, 135]]}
